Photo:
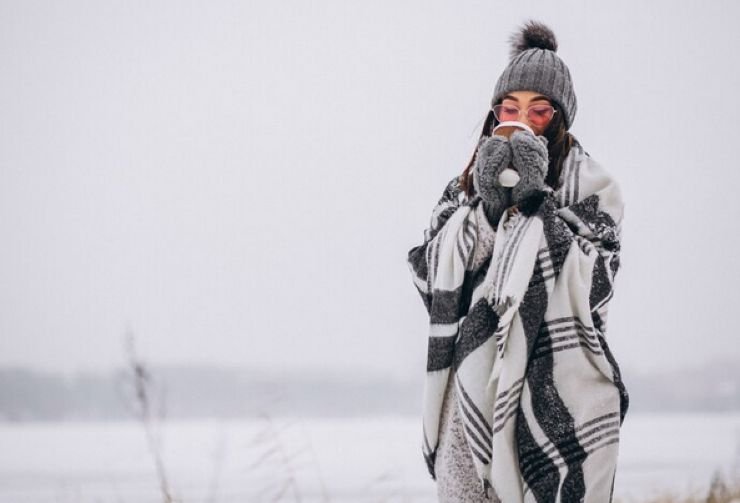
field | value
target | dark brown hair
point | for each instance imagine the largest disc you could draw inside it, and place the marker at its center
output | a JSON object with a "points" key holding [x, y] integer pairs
{"points": [[559, 143]]}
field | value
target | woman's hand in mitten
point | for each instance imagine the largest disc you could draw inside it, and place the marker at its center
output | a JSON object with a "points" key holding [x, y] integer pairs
{"points": [[494, 156], [531, 160]]}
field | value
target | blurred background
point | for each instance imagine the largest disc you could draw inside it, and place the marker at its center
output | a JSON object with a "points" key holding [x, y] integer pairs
{"points": [[206, 209]]}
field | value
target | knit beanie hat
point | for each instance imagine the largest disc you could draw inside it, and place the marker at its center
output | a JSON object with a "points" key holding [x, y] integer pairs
{"points": [[534, 66]]}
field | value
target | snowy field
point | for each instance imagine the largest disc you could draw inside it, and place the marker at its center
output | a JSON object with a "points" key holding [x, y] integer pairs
{"points": [[326, 459]]}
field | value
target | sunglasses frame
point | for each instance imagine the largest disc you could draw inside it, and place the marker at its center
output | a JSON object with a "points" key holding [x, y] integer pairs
{"points": [[493, 109]]}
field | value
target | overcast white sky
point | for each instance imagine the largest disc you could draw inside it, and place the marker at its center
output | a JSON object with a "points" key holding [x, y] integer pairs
{"points": [[240, 182]]}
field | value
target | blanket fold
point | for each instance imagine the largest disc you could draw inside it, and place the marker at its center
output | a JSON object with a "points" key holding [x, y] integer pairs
{"points": [[522, 334]]}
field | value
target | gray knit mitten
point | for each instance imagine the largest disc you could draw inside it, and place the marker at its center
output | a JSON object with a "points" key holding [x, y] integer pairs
{"points": [[494, 156], [530, 159]]}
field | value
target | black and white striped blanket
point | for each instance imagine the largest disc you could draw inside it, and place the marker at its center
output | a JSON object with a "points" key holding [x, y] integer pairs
{"points": [[523, 335]]}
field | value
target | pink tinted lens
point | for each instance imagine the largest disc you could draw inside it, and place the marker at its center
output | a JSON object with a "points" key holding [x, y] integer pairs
{"points": [[540, 115], [506, 113]]}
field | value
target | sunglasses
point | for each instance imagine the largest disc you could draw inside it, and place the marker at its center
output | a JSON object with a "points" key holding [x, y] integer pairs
{"points": [[538, 115]]}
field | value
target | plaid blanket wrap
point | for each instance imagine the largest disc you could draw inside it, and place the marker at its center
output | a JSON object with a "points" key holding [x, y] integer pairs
{"points": [[523, 335]]}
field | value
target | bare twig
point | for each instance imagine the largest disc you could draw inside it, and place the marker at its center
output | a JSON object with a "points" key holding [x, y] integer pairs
{"points": [[275, 463], [144, 409], [218, 462]]}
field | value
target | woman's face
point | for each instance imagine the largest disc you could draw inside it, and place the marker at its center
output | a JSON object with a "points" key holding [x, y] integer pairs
{"points": [[525, 99]]}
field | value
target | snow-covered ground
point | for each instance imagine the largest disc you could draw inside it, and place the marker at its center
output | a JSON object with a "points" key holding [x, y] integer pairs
{"points": [[317, 459]]}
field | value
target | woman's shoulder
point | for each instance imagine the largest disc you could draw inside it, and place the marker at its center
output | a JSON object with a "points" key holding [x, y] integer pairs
{"points": [[585, 178], [453, 191], [580, 170]]}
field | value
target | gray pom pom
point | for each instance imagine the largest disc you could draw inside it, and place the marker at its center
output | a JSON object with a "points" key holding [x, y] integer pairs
{"points": [[532, 34]]}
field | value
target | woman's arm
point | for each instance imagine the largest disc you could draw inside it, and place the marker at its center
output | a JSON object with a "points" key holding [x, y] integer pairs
{"points": [[420, 258], [588, 232], [593, 219]]}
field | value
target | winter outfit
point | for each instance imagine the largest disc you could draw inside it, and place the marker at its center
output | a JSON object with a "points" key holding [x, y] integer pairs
{"points": [[523, 400]]}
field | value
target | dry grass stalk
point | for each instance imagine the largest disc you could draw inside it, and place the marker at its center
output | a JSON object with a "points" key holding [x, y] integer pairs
{"points": [[149, 411]]}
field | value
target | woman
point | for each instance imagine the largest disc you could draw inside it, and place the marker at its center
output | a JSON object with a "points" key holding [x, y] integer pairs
{"points": [[523, 400]]}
